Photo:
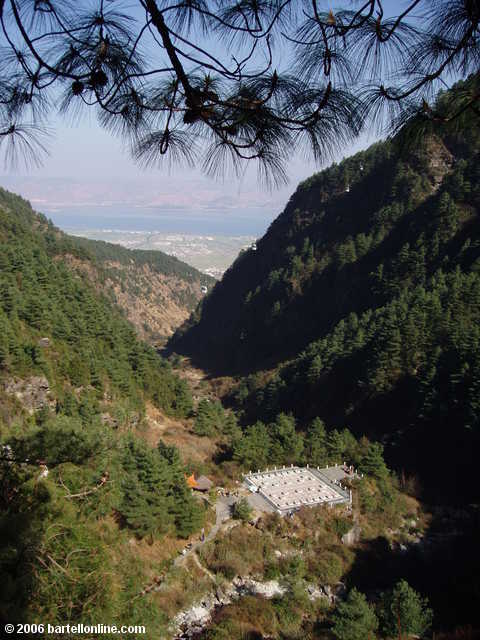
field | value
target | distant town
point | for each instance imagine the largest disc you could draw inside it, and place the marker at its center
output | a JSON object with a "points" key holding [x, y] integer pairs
{"points": [[210, 254]]}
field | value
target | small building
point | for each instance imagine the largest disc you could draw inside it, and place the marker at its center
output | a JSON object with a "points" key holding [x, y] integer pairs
{"points": [[191, 482], [202, 483], [287, 489]]}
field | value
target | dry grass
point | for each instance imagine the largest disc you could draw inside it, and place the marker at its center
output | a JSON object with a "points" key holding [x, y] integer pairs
{"points": [[157, 553], [239, 551], [249, 617], [183, 588], [177, 433]]}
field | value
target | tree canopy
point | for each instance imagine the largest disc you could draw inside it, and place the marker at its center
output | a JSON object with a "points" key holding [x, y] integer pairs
{"points": [[354, 619], [404, 611], [207, 80], [374, 264]]}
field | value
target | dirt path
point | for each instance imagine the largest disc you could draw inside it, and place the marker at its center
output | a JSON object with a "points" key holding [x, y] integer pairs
{"points": [[222, 510], [203, 569]]}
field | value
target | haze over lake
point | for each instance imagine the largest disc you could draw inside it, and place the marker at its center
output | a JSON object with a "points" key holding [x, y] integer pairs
{"points": [[148, 220]]}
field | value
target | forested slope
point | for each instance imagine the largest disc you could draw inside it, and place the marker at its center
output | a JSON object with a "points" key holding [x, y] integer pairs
{"points": [[362, 302], [77, 480], [157, 292], [90, 343]]}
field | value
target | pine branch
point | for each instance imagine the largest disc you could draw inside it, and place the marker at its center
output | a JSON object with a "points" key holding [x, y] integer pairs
{"points": [[86, 492]]}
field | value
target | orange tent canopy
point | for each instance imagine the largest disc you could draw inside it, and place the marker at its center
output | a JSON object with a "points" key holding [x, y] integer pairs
{"points": [[192, 483]]}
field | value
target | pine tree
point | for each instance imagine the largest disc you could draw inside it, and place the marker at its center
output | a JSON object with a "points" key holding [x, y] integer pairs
{"points": [[142, 514], [7, 297], [33, 313], [252, 450], [373, 463], [354, 619], [362, 244], [387, 350], [188, 513], [230, 425], [404, 612], [205, 419], [4, 341], [315, 451], [448, 213], [181, 403], [287, 444], [242, 510], [335, 446], [69, 404], [145, 489], [314, 370]]}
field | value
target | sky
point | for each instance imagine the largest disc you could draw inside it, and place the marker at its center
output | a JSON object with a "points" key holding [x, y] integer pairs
{"points": [[89, 180]]}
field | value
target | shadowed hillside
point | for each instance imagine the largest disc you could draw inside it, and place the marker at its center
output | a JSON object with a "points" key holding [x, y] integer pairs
{"points": [[361, 303]]}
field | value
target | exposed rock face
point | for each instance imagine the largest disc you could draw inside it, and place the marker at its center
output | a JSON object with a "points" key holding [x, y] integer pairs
{"points": [[250, 587], [192, 621], [33, 393], [352, 536], [332, 593], [189, 622], [440, 160], [314, 593], [155, 303]]}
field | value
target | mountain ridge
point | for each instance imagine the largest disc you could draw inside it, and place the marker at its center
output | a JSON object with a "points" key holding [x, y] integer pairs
{"points": [[360, 305], [156, 291], [79, 480]]}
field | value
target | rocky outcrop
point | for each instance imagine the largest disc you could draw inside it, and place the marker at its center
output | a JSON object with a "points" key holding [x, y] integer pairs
{"points": [[332, 592], [33, 393], [192, 621], [352, 537], [440, 160], [250, 587]]}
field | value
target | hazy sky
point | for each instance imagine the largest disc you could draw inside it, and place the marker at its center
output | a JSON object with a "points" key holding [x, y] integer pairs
{"points": [[88, 171], [89, 177]]}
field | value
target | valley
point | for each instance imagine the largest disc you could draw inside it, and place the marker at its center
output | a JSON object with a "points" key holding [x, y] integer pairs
{"points": [[288, 452]]}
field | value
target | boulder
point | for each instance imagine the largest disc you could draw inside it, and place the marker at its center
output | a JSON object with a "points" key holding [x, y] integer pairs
{"points": [[270, 589], [314, 593], [333, 592], [352, 537], [188, 623]]}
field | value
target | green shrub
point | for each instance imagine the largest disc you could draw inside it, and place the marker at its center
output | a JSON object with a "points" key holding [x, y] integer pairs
{"points": [[242, 510]]}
